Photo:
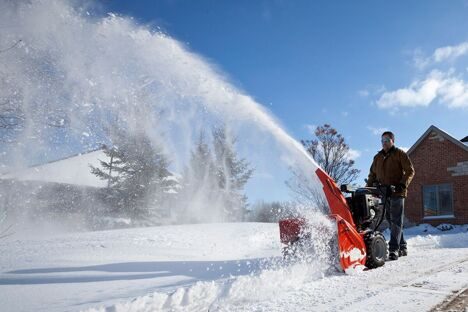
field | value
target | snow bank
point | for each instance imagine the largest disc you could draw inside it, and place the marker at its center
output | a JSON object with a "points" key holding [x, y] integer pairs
{"points": [[425, 235]]}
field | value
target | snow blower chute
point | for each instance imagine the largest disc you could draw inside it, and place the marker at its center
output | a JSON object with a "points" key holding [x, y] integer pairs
{"points": [[357, 218]]}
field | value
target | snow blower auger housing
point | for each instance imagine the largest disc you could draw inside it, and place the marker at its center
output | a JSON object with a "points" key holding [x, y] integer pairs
{"points": [[357, 217]]}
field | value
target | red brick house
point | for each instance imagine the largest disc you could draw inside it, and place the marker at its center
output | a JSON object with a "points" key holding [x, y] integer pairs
{"points": [[439, 191]]}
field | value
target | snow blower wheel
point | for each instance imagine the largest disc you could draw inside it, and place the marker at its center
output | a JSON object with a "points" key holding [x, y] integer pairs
{"points": [[376, 250]]}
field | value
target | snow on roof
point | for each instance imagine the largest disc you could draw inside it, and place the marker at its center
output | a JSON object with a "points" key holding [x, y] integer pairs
{"points": [[73, 170]]}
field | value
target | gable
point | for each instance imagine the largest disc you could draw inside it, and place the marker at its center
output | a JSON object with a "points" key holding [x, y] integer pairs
{"points": [[434, 133]]}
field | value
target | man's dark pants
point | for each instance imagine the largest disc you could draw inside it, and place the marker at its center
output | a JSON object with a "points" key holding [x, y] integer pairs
{"points": [[394, 213]]}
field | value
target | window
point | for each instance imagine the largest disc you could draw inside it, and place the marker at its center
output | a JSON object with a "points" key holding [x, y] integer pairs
{"points": [[438, 201]]}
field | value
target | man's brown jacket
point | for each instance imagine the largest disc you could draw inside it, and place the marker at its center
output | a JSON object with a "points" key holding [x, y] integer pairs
{"points": [[391, 168]]}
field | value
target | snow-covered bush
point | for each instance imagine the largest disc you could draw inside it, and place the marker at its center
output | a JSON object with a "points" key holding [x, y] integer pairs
{"points": [[445, 227]]}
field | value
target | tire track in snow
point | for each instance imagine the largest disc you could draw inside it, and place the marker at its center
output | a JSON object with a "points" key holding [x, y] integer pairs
{"points": [[409, 283], [457, 302], [437, 269]]}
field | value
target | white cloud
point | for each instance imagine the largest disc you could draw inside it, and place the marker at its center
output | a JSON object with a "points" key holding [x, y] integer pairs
{"points": [[448, 89], [418, 93], [353, 154], [444, 87], [377, 131], [448, 53], [404, 148]]}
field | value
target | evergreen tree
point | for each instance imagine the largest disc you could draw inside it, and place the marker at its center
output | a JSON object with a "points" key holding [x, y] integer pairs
{"points": [[201, 162], [232, 173], [137, 174], [200, 191]]}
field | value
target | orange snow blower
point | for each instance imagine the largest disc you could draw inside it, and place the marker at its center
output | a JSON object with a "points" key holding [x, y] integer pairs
{"points": [[357, 218]]}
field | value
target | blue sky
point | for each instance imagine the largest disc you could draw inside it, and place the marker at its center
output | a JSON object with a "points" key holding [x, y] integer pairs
{"points": [[362, 66]]}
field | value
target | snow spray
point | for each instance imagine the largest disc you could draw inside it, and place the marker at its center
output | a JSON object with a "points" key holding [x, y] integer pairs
{"points": [[71, 75]]}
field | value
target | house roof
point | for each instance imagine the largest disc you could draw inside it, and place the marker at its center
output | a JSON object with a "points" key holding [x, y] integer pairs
{"points": [[73, 170], [442, 133], [465, 139]]}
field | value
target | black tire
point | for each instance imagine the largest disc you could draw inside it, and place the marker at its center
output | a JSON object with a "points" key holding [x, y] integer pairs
{"points": [[376, 249]]}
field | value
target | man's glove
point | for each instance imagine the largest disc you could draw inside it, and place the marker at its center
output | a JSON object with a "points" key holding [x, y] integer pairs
{"points": [[399, 188]]}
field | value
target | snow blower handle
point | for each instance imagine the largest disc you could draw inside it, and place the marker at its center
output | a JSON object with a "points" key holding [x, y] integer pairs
{"points": [[385, 190], [389, 190]]}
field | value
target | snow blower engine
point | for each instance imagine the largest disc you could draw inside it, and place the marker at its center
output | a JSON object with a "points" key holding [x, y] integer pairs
{"points": [[357, 216]]}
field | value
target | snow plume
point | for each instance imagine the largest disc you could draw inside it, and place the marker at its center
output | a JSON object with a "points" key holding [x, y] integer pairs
{"points": [[319, 242], [68, 77]]}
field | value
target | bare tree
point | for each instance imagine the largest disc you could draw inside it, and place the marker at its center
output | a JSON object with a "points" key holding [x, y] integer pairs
{"points": [[306, 192], [331, 152]]}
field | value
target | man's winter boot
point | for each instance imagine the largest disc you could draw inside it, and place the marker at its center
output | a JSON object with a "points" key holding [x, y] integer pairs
{"points": [[393, 255], [403, 252]]}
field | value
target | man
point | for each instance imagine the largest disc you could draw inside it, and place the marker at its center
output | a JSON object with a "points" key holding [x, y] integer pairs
{"points": [[391, 166]]}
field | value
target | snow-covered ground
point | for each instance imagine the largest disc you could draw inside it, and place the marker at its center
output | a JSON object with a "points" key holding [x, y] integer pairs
{"points": [[218, 267]]}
